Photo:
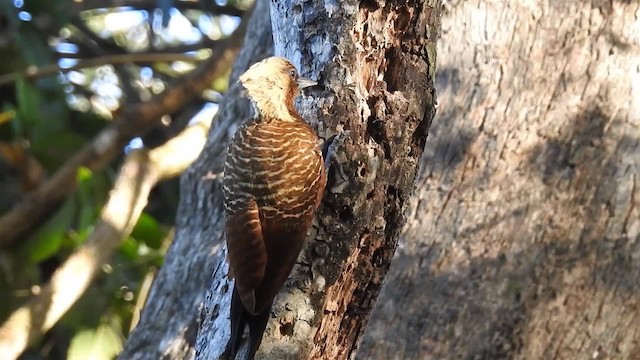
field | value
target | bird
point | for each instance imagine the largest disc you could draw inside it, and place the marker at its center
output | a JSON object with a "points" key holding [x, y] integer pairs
{"points": [[274, 179]]}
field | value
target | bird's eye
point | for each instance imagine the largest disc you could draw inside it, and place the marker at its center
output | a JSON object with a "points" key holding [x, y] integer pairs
{"points": [[294, 74]]}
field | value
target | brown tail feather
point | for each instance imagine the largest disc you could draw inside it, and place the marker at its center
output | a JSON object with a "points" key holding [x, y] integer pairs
{"points": [[240, 317]]}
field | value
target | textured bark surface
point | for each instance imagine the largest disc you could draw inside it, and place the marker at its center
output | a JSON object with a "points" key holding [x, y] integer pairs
{"points": [[169, 322], [523, 240], [375, 61]]}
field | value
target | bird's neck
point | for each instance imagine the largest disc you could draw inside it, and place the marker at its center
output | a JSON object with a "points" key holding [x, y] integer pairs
{"points": [[280, 110]]}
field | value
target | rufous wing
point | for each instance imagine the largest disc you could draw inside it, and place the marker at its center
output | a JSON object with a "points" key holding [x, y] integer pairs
{"points": [[247, 252]]}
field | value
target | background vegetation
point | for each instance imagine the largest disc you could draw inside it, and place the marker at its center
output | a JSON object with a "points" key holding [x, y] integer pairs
{"points": [[67, 70]]}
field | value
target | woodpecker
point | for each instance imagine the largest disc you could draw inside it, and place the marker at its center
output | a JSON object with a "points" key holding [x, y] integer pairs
{"points": [[274, 178]]}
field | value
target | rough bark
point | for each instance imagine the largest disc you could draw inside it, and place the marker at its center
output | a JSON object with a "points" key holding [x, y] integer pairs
{"points": [[169, 322], [523, 241], [375, 61]]}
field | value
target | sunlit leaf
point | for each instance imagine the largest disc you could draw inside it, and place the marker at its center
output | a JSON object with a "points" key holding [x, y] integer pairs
{"points": [[95, 344], [7, 116], [7, 129], [83, 173]]}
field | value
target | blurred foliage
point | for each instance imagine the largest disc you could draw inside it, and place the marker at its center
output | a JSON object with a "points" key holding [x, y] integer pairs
{"points": [[44, 120]]}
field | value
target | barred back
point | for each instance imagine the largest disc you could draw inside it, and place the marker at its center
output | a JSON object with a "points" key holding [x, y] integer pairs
{"points": [[276, 163]]}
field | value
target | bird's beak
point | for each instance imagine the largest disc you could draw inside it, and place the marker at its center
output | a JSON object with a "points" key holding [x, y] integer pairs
{"points": [[305, 83]]}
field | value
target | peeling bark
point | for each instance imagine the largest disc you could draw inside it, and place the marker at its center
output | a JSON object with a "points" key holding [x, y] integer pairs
{"points": [[523, 240]]}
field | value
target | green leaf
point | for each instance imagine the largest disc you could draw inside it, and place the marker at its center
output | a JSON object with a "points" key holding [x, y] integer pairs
{"points": [[77, 238], [28, 98], [86, 198], [47, 240], [53, 150], [53, 114], [46, 245], [129, 248], [33, 45], [83, 174], [148, 230], [102, 343], [8, 128]]}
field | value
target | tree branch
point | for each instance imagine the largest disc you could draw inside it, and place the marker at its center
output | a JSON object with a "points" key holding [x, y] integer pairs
{"points": [[132, 121], [204, 43], [141, 170], [79, 6], [102, 47], [95, 43], [34, 72]]}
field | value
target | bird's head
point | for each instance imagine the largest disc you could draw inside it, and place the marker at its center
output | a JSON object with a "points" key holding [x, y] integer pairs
{"points": [[272, 84]]}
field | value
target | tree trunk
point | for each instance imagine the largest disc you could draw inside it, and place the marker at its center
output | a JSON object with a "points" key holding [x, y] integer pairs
{"points": [[375, 61], [376, 64], [523, 241]]}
